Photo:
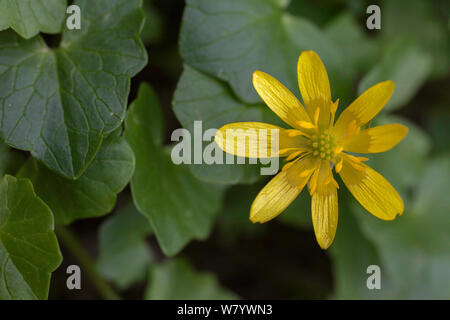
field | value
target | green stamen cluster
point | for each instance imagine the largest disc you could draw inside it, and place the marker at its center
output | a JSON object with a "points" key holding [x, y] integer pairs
{"points": [[323, 146]]}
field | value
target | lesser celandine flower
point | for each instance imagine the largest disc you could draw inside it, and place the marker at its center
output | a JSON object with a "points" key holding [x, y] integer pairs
{"points": [[317, 144]]}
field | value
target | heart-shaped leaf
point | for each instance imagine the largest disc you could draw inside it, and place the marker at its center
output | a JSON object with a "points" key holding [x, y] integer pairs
{"points": [[60, 103]]}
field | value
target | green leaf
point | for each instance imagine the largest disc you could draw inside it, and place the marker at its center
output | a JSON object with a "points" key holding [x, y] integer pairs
{"points": [[231, 39], [199, 97], [147, 97], [414, 247], [176, 280], [405, 64], [29, 17], [179, 207], [94, 193], [314, 11], [60, 103], [124, 255], [29, 251]]}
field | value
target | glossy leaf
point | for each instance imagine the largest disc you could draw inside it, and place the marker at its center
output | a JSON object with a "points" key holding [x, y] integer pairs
{"points": [[29, 17], [176, 280], [94, 193], [179, 207], [29, 251], [124, 255], [61, 103]]}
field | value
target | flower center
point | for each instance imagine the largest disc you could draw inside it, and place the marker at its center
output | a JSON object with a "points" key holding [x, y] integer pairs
{"points": [[323, 146]]}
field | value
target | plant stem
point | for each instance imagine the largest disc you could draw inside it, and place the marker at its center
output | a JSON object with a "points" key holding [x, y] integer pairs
{"points": [[73, 245]]}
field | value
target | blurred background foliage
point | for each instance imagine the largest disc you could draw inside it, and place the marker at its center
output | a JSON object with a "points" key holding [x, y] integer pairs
{"points": [[200, 60]]}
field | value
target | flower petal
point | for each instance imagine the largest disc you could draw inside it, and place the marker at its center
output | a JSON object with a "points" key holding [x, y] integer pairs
{"points": [[278, 194], [278, 98], [324, 208], [372, 190], [256, 139], [377, 139], [314, 84], [365, 107]]}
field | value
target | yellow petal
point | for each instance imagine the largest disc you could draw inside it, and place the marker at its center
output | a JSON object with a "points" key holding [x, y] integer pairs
{"points": [[377, 139], [294, 133], [314, 85], [278, 98], [314, 178], [294, 155], [278, 194], [372, 190], [256, 139], [305, 125], [365, 107], [338, 167], [324, 208]]}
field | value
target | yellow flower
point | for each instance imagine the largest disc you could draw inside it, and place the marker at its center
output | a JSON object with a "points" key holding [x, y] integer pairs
{"points": [[316, 144]]}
